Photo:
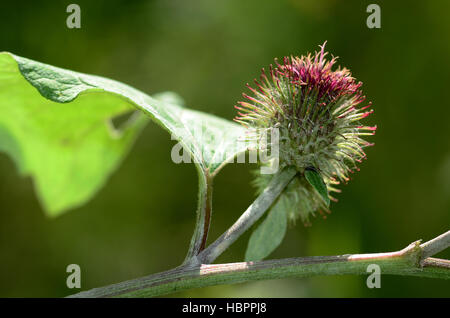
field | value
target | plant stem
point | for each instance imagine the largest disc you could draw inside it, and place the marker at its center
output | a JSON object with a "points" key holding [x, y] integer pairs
{"points": [[436, 245], [204, 210], [195, 272], [197, 253], [407, 262], [248, 218]]}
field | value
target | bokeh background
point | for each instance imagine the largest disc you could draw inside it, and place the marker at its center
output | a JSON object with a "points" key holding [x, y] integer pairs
{"points": [[142, 220]]}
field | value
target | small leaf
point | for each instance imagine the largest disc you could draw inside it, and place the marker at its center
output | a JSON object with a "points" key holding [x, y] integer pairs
{"points": [[314, 178], [269, 234]]}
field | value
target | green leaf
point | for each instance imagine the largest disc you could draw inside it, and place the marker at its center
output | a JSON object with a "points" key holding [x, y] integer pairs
{"points": [[57, 126], [269, 234], [314, 178]]}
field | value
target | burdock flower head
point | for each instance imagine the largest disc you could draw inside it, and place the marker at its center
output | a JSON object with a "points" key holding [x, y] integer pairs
{"points": [[317, 112]]}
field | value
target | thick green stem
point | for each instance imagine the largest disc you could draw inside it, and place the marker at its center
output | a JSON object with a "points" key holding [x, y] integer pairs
{"points": [[405, 262], [204, 211]]}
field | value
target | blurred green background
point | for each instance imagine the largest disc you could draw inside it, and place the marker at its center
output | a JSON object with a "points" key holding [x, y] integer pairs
{"points": [[142, 220]]}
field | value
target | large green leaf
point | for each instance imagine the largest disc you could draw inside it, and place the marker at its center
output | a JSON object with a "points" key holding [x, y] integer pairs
{"points": [[57, 126]]}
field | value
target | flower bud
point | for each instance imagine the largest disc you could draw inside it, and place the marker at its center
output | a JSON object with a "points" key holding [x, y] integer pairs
{"points": [[317, 111]]}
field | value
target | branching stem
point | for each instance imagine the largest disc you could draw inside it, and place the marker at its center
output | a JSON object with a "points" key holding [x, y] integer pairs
{"points": [[408, 262], [414, 260], [249, 217]]}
